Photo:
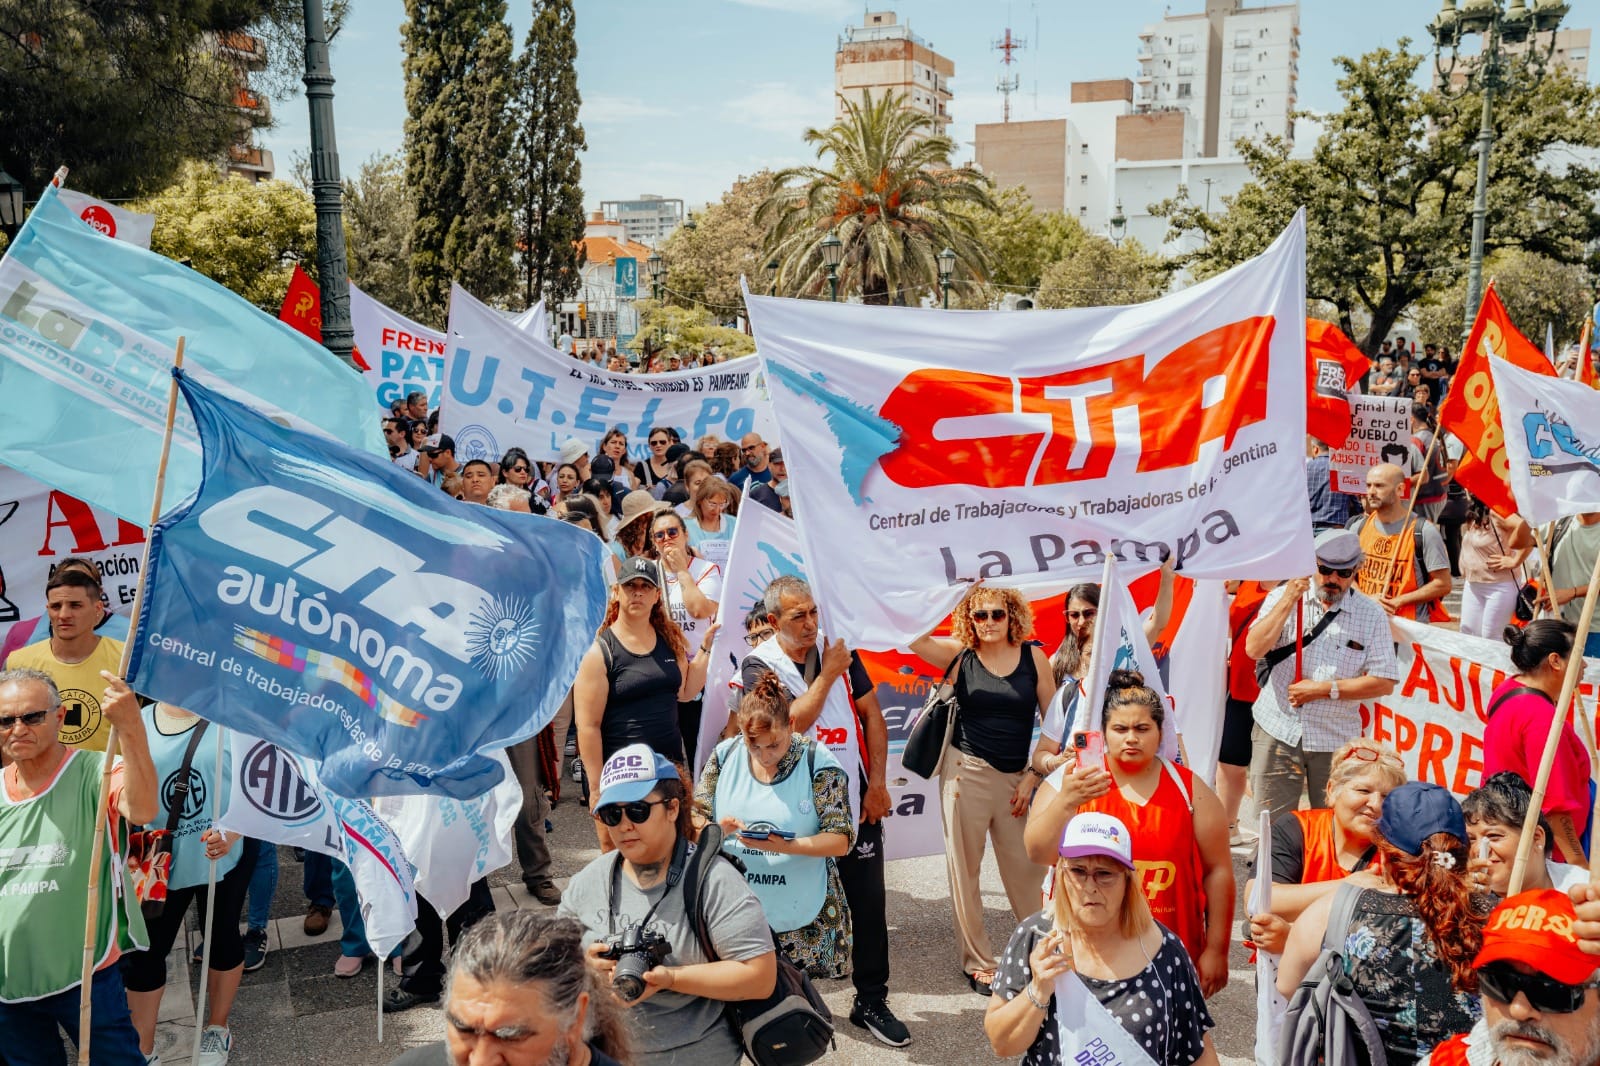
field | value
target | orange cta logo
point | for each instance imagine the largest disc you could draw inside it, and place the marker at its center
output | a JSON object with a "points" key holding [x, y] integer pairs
{"points": [[995, 431]]}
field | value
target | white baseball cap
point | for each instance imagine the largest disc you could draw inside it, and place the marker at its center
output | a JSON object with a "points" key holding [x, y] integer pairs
{"points": [[632, 774], [1097, 834]]}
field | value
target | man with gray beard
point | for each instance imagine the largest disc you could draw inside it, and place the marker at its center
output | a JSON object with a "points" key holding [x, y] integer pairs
{"points": [[1540, 1007]]}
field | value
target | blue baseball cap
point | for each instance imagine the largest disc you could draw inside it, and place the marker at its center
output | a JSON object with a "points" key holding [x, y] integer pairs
{"points": [[1415, 811], [632, 774]]}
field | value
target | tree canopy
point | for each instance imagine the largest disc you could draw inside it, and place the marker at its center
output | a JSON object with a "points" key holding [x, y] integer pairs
{"points": [[545, 169], [706, 260]]}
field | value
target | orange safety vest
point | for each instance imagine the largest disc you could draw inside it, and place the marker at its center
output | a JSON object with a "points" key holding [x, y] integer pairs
{"points": [[1166, 853], [1247, 601], [1320, 859], [1385, 555], [1452, 1052]]}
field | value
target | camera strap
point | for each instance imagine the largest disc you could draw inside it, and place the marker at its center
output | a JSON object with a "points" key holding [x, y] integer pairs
{"points": [[680, 857]]}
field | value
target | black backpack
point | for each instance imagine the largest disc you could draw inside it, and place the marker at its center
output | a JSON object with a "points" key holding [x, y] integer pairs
{"points": [[791, 1027]]}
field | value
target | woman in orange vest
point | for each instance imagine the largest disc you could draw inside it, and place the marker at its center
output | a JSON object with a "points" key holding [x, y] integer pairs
{"points": [[1313, 850], [1180, 835]]}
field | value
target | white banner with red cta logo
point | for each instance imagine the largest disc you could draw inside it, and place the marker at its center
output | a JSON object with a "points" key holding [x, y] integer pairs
{"points": [[931, 449], [109, 219]]}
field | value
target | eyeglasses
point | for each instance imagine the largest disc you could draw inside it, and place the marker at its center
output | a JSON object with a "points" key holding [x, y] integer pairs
{"points": [[519, 469], [1085, 615], [1363, 753], [756, 636], [638, 811], [1342, 571], [662, 443], [1101, 878], [666, 534], [28, 718], [1545, 994], [999, 615]]}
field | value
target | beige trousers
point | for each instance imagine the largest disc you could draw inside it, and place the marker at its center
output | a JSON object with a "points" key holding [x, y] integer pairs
{"points": [[974, 803]]}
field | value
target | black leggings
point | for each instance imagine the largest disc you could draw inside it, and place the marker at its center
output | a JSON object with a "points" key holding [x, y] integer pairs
{"points": [[146, 971]]}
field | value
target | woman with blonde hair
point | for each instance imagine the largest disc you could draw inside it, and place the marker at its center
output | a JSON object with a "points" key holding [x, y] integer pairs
{"points": [[1098, 927], [712, 506], [784, 802], [1313, 850], [1002, 684]]}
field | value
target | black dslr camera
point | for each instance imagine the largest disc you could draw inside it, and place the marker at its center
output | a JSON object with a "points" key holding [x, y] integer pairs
{"points": [[635, 950]]}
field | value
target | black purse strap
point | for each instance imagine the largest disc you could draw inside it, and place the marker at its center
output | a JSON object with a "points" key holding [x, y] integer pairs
{"points": [[1277, 655], [181, 786], [1520, 690]]}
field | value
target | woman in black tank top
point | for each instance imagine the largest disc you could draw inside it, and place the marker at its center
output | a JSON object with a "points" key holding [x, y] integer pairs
{"points": [[1003, 684], [633, 676]]}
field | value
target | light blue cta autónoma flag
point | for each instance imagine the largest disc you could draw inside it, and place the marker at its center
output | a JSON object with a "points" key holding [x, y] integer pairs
{"points": [[88, 328], [340, 607]]}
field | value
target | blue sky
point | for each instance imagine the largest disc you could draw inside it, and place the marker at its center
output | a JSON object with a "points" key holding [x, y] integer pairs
{"points": [[680, 97]]}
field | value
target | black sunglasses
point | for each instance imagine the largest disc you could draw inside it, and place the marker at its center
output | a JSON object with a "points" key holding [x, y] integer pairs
{"points": [[30, 719], [1545, 994], [1342, 571], [984, 616], [638, 811]]}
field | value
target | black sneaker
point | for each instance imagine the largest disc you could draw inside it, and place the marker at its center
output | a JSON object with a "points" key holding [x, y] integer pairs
{"points": [[876, 1018], [398, 999], [255, 950]]}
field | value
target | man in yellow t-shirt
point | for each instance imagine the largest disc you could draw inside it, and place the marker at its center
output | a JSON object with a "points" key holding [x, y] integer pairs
{"points": [[74, 654]]}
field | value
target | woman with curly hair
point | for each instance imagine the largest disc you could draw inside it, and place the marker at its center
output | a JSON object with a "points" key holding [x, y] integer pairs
{"points": [[1416, 926], [1003, 684], [633, 676], [769, 780]]}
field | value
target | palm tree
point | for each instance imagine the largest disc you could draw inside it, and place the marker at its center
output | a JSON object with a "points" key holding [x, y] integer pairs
{"points": [[886, 195]]}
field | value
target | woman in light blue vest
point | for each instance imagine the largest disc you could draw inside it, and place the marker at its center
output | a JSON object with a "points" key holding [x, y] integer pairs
{"points": [[781, 783]]}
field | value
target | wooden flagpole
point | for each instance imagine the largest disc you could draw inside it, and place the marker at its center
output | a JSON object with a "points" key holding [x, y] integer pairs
{"points": [[1411, 504], [101, 816], [1585, 726], [1569, 685], [208, 927]]}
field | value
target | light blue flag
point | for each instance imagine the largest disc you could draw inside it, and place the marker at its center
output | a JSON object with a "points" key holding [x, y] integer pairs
{"points": [[344, 609], [88, 329]]}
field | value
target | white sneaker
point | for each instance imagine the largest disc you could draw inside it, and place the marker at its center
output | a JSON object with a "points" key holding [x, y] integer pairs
{"points": [[153, 1059], [215, 1044]]}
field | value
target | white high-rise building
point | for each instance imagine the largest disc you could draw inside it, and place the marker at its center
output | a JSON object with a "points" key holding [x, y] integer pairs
{"points": [[1234, 68]]}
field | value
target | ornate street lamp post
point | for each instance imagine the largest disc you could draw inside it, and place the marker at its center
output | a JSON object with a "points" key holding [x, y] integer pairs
{"points": [[947, 266], [655, 268], [832, 253], [1119, 225], [327, 191], [11, 206]]}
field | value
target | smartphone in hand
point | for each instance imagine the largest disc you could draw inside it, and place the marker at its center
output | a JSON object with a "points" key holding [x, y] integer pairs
{"points": [[1090, 747]]}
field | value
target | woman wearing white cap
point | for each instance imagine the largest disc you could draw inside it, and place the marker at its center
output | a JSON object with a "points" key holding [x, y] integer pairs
{"points": [[676, 1003], [1098, 930]]}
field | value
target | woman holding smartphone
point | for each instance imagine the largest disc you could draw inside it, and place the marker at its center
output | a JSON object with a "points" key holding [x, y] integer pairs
{"points": [[793, 821]]}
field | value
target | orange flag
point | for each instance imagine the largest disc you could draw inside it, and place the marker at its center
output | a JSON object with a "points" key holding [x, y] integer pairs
{"points": [[1333, 366], [1586, 373], [1472, 411], [302, 309]]}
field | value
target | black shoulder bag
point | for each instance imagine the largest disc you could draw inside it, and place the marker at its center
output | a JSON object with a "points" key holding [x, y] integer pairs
{"points": [[930, 733], [1269, 662], [792, 1026]]}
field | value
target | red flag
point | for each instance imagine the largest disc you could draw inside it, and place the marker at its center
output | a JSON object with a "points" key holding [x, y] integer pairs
{"points": [[1333, 366], [1586, 373], [302, 309], [1471, 411]]}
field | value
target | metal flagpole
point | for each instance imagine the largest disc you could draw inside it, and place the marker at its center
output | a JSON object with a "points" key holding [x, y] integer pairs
{"points": [[101, 816], [208, 926]]}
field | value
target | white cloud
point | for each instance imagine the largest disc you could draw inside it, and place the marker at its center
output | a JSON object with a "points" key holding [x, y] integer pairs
{"points": [[602, 108], [780, 107]]}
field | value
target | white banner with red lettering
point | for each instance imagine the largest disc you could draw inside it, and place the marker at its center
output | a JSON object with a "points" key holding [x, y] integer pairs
{"points": [[405, 356], [1434, 717], [116, 222], [930, 449], [1380, 432], [40, 526]]}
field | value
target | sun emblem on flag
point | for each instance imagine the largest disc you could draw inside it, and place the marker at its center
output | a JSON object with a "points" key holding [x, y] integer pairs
{"points": [[502, 635]]}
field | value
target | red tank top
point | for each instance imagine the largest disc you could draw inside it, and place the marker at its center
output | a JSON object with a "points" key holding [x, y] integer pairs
{"points": [[1166, 854]]}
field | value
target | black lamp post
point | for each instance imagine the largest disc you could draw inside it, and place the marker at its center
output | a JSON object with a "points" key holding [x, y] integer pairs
{"points": [[1514, 24], [772, 275], [11, 213], [327, 191], [832, 253], [947, 266], [1119, 225], [655, 267]]}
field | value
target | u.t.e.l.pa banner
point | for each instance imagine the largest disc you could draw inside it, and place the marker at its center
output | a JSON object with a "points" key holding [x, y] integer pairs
{"points": [[932, 449], [505, 387], [1435, 716]]}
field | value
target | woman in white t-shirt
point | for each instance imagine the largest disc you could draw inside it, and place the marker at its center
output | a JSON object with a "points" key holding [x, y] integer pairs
{"points": [[713, 504], [694, 585]]}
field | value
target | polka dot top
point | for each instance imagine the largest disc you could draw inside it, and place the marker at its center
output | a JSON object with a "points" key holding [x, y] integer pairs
{"points": [[1160, 1007]]}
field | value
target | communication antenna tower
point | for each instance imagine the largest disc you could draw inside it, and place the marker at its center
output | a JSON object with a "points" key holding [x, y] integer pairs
{"points": [[1008, 83]]}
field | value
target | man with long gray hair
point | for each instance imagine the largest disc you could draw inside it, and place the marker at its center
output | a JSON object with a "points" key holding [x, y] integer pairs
{"points": [[521, 993]]}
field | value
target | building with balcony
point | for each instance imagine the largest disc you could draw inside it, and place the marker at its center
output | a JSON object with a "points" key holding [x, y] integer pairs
{"points": [[648, 220], [246, 53], [883, 56], [1234, 68]]}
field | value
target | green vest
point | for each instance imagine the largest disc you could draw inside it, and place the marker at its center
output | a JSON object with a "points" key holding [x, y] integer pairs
{"points": [[45, 844]]}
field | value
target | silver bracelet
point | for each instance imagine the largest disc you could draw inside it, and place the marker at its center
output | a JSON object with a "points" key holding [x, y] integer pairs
{"points": [[1028, 988]]}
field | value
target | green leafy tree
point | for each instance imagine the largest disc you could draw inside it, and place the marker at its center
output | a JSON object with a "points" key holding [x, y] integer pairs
{"points": [[889, 194], [1534, 289], [378, 216], [459, 137], [244, 235], [548, 197], [705, 261], [1099, 273], [122, 93], [688, 330], [1388, 190], [1023, 241]]}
